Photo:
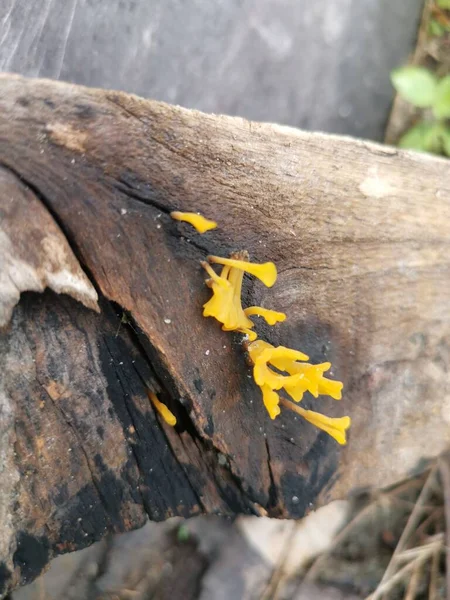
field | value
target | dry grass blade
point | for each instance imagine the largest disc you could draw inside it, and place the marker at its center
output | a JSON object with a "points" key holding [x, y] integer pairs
{"points": [[444, 470], [410, 527], [434, 572], [414, 582], [387, 497], [278, 573], [387, 585], [314, 570], [434, 546], [126, 595], [434, 518], [403, 527]]}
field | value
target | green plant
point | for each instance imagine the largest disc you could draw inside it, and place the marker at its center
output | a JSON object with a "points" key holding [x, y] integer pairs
{"points": [[445, 4], [438, 28], [423, 89], [183, 533], [439, 23]]}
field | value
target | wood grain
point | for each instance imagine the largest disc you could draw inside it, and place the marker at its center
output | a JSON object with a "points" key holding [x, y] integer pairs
{"points": [[360, 236]]}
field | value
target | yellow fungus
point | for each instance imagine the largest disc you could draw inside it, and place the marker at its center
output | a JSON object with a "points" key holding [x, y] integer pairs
{"points": [[225, 305], [165, 413], [201, 224], [301, 377], [336, 427], [252, 335], [266, 272], [271, 400], [262, 374], [270, 316], [271, 353], [256, 348]]}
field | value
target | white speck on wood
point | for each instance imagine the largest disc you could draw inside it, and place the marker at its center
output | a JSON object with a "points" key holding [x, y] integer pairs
{"points": [[375, 186]]}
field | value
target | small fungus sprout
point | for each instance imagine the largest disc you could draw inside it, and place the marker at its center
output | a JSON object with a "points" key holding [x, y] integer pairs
{"points": [[201, 224], [165, 413]]}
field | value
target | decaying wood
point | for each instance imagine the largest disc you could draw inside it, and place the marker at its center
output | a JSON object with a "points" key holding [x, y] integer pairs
{"points": [[360, 236], [35, 254]]}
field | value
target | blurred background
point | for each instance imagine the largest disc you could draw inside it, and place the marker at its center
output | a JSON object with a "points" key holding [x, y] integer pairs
{"points": [[321, 65], [314, 64]]}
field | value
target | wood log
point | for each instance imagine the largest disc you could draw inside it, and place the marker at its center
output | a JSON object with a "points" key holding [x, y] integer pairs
{"points": [[360, 235]]}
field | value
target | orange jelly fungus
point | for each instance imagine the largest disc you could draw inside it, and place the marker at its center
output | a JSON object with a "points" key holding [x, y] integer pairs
{"points": [[336, 427], [295, 378], [165, 413], [274, 368], [201, 224], [270, 316], [225, 305], [266, 272]]}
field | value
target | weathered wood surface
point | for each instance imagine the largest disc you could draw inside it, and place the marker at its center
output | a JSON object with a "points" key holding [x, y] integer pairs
{"points": [[360, 235], [317, 65]]}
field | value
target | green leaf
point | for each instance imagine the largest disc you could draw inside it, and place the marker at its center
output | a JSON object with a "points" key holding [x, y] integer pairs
{"points": [[425, 137], [441, 103], [443, 4], [414, 138], [415, 84], [435, 28], [183, 533], [446, 141]]}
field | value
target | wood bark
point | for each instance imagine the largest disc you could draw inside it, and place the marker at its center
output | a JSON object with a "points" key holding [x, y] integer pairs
{"points": [[360, 235]]}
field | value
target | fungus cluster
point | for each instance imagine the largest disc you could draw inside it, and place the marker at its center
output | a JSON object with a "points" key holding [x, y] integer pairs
{"points": [[275, 369]]}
